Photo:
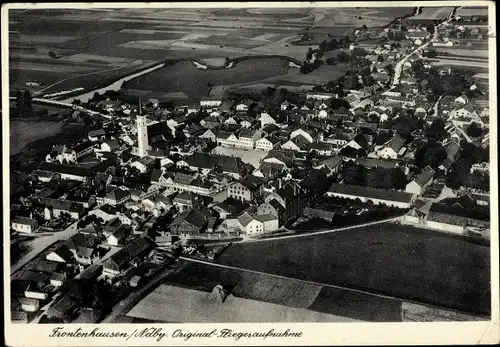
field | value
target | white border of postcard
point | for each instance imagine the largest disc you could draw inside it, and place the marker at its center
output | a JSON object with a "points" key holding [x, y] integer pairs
{"points": [[484, 332]]}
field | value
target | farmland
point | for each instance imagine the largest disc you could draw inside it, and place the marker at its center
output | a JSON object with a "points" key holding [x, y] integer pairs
{"points": [[22, 133], [174, 304], [91, 48], [186, 78], [396, 260]]}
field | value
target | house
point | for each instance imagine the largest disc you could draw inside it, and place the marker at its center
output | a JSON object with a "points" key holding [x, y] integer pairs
{"points": [[186, 200], [83, 149], [270, 129], [247, 189], [250, 225], [285, 105], [450, 216], [452, 152], [377, 196], [273, 207], [144, 164], [117, 196], [462, 99], [393, 148], [418, 184], [244, 105], [61, 154], [119, 262], [29, 305], [118, 237], [96, 135], [298, 143], [63, 309], [267, 143], [333, 164], [57, 279], [210, 102], [24, 224], [266, 119], [290, 195], [86, 255], [189, 223], [309, 135], [209, 135], [61, 254], [319, 96], [322, 148], [359, 142], [230, 207], [109, 146], [248, 137], [279, 157]]}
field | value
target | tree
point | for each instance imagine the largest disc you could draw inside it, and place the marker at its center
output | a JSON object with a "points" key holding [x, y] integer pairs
{"points": [[474, 130], [343, 57], [331, 61], [436, 130], [323, 46], [52, 54], [309, 54], [380, 59]]}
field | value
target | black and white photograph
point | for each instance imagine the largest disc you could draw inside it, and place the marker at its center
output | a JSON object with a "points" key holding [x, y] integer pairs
{"points": [[249, 164]]}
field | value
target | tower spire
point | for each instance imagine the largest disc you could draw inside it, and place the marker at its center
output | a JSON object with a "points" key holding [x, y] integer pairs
{"points": [[140, 107]]}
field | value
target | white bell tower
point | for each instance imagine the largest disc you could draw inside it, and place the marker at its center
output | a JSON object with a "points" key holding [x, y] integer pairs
{"points": [[142, 133]]}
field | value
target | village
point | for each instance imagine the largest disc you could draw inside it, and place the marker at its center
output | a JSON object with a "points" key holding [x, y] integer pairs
{"points": [[400, 137]]}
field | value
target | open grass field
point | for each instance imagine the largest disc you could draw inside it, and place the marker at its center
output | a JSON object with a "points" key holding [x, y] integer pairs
{"points": [[175, 304], [289, 292], [22, 133], [186, 78], [96, 47], [392, 259]]}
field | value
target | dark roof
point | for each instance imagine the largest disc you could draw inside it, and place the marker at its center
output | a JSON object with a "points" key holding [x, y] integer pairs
{"points": [[331, 162], [82, 146], [24, 220], [118, 194], [251, 182], [373, 162], [373, 193], [130, 251], [277, 205], [62, 307], [65, 169], [457, 215], [397, 142], [80, 240], [424, 176], [192, 216]]}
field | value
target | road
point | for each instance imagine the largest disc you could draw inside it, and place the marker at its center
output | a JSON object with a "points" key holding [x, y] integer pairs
{"points": [[435, 107], [308, 234], [42, 243], [125, 305], [399, 66]]}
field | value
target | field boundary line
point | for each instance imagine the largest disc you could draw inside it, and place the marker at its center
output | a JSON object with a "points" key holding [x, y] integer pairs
{"points": [[365, 292]]}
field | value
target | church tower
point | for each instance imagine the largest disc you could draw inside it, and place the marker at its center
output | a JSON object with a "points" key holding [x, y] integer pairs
{"points": [[142, 133]]}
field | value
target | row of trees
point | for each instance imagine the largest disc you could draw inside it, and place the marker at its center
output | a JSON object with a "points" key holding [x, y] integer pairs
{"points": [[380, 178]]}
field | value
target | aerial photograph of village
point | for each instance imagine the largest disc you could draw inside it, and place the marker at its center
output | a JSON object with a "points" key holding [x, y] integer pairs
{"points": [[252, 164]]}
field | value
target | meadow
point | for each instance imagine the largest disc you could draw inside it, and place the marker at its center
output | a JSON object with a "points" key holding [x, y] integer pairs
{"points": [[186, 78], [391, 259]]}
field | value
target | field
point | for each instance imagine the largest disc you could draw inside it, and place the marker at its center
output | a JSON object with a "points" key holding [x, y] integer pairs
{"points": [[94, 47], [186, 78], [391, 259], [22, 133], [175, 304]]}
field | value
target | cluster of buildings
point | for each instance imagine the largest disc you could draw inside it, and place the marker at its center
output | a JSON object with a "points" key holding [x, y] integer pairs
{"points": [[151, 177]]}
